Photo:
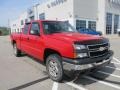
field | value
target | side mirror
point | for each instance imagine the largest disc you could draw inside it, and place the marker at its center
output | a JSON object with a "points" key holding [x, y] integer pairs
{"points": [[34, 32]]}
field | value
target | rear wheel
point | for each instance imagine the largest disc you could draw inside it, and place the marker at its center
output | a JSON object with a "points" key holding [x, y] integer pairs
{"points": [[54, 67], [16, 51]]}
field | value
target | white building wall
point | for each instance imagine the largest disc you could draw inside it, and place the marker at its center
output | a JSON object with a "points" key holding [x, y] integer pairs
{"points": [[71, 10], [114, 8], [104, 7], [101, 23], [62, 11], [23, 17], [16, 24], [86, 9]]}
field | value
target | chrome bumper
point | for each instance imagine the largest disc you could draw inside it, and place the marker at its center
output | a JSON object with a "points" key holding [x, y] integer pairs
{"points": [[72, 67]]}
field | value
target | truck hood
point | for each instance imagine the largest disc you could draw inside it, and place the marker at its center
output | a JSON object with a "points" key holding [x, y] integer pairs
{"points": [[73, 37]]}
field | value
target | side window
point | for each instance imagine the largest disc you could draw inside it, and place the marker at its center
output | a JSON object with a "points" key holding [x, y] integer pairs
{"points": [[35, 29], [25, 31]]}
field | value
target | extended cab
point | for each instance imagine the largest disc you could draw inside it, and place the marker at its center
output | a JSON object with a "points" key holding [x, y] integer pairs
{"points": [[61, 48]]}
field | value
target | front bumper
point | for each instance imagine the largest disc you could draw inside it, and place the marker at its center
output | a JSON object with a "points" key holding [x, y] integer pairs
{"points": [[88, 63]]}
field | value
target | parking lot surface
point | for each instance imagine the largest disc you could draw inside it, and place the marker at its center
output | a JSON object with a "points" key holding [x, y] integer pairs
{"points": [[25, 73]]}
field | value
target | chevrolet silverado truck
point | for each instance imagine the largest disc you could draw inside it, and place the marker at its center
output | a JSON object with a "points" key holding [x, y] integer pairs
{"points": [[61, 48]]}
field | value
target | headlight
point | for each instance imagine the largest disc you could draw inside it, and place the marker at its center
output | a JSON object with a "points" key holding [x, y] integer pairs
{"points": [[80, 51], [79, 47]]}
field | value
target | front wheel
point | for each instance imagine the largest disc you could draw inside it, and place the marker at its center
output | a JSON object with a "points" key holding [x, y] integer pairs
{"points": [[54, 67]]}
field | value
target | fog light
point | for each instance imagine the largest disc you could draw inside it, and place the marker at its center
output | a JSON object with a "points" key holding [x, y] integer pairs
{"points": [[81, 55]]}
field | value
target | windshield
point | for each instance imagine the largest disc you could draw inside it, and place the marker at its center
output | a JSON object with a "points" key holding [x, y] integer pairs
{"points": [[51, 27]]}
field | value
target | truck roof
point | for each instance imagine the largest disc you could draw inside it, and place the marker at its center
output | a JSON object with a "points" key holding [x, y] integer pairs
{"points": [[40, 20]]}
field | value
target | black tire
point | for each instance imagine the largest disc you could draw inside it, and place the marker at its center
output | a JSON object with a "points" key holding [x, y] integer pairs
{"points": [[17, 52], [56, 68]]}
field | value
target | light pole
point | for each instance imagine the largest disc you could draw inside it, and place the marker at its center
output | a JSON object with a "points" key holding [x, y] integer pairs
{"points": [[8, 28]]}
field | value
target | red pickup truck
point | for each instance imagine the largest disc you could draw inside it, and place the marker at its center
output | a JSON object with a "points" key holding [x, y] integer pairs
{"points": [[61, 48]]}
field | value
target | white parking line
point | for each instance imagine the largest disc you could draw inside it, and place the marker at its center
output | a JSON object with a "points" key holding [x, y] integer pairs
{"points": [[76, 86], [115, 63], [102, 82], [116, 59], [109, 74], [113, 68], [55, 86]]}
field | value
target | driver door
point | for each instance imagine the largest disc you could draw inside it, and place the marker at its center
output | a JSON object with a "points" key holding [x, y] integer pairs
{"points": [[35, 40]]}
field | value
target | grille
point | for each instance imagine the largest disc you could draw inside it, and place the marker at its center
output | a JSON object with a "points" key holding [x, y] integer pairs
{"points": [[98, 50], [90, 47]]}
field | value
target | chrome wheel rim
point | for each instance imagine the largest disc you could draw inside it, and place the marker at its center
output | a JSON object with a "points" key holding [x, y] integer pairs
{"points": [[53, 68]]}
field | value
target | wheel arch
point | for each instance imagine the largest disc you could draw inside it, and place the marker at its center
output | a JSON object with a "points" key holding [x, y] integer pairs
{"points": [[48, 52], [13, 42]]}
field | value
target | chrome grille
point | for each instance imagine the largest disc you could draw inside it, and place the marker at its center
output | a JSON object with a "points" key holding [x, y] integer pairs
{"points": [[98, 49]]}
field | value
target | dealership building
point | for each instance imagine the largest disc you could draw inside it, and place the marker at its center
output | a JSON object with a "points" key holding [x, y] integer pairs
{"points": [[101, 15]]}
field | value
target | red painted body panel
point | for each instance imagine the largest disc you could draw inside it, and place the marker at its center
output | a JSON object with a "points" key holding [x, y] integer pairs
{"points": [[60, 42]]}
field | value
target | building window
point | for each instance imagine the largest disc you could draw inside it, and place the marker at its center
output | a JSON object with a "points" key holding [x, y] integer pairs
{"points": [[92, 25], [42, 16], [116, 23], [22, 22], [109, 23], [80, 24]]}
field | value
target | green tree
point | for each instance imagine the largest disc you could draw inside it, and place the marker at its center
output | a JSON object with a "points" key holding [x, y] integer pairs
{"points": [[4, 31]]}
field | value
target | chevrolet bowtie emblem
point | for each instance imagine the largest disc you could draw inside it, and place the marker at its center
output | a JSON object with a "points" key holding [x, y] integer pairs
{"points": [[102, 48]]}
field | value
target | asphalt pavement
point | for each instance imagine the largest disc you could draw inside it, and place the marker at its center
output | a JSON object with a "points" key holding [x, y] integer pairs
{"points": [[26, 73]]}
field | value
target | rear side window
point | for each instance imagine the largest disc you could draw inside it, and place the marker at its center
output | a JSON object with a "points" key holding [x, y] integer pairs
{"points": [[26, 29]]}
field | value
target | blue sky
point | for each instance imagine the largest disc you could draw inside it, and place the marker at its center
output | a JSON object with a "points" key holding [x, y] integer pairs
{"points": [[11, 9]]}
